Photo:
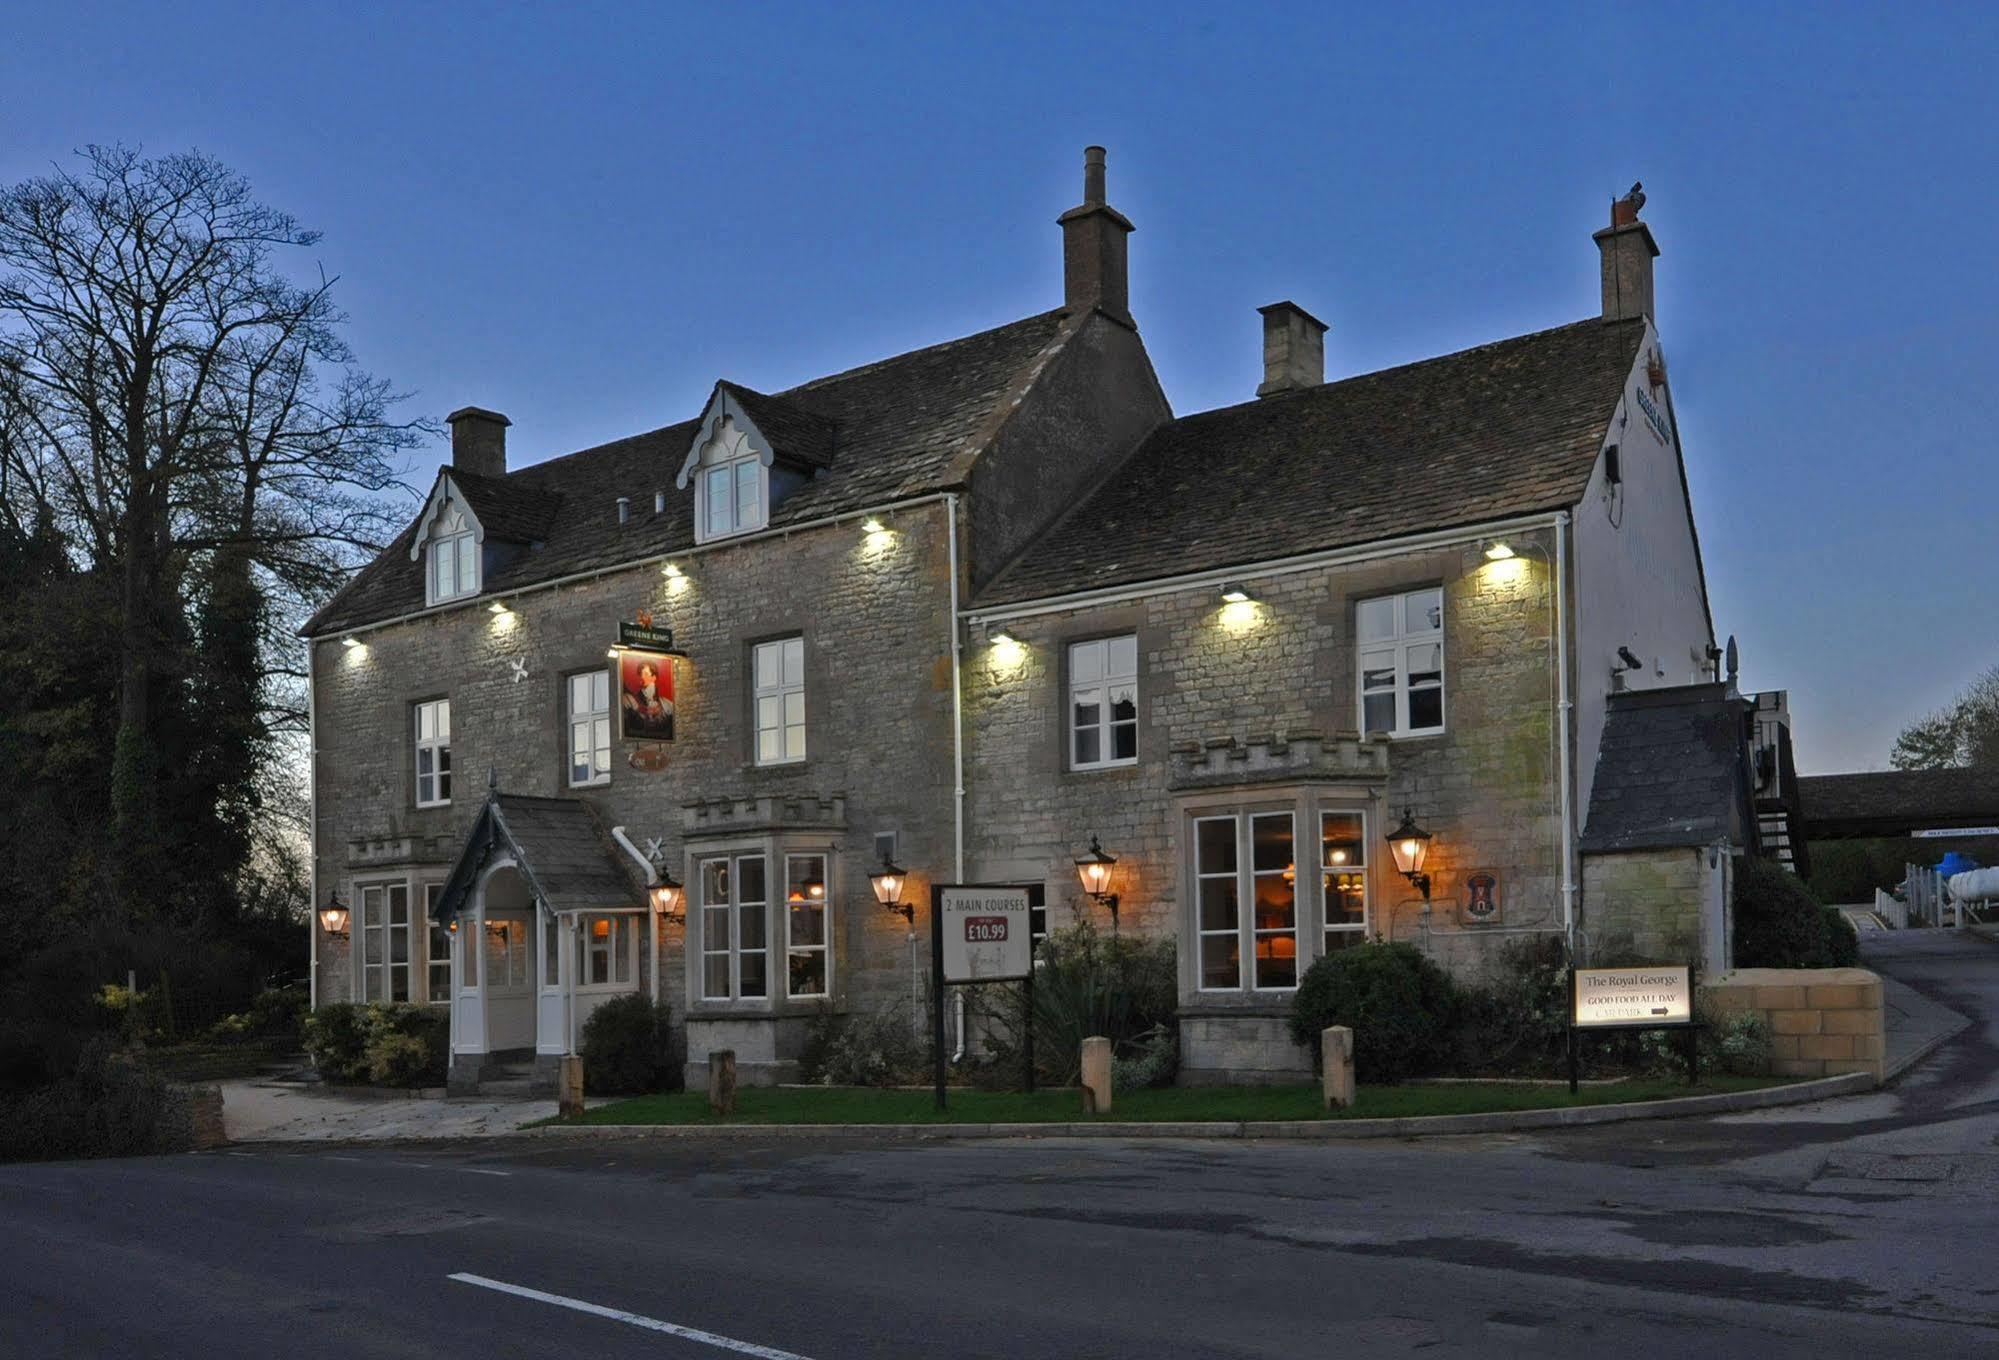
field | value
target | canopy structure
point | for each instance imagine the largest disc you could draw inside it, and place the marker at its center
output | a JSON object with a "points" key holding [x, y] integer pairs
{"points": [[558, 845]]}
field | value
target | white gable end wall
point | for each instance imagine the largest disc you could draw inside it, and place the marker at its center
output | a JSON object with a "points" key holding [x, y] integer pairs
{"points": [[1637, 566]]}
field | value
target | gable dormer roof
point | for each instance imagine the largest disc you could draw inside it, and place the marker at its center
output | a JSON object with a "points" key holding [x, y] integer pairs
{"points": [[500, 511]]}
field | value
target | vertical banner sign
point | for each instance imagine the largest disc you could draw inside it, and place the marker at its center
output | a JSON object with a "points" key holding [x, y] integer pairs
{"points": [[979, 932]]}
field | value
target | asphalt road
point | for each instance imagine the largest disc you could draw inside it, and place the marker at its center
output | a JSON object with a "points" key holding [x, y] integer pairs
{"points": [[1862, 1227]]}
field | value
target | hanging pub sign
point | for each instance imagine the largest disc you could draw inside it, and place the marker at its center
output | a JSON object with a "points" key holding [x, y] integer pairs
{"points": [[644, 657], [1482, 898], [642, 636]]}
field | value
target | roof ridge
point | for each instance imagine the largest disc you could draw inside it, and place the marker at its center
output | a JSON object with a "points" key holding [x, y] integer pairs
{"points": [[912, 353]]}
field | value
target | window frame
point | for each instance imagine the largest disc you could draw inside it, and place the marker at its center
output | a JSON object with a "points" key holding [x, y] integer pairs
{"points": [[387, 966], [734, 908], [824, 948], [437, 745], [620, 952], [433, 959], [781, 693], [595, 717], [1363, 870], [1400, 642], [1106, 725]]}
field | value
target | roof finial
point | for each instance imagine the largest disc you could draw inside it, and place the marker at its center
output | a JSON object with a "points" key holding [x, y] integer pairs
{"points": [[1733, 666]]}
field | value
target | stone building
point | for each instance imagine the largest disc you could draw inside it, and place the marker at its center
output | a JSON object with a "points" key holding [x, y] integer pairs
{"points": [[976, 609]]}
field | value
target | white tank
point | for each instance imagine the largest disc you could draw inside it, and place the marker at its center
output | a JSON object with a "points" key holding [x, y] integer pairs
{"points": [[1974, 885]]}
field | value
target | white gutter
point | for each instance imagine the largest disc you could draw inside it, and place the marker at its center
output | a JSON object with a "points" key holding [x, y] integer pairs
{"points": [[1276, 566], [1563, 707], [957, 705], [485, 598]]}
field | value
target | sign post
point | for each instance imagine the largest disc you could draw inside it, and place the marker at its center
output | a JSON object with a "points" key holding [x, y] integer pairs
{"points": [[979, 932], [1623, 999]]}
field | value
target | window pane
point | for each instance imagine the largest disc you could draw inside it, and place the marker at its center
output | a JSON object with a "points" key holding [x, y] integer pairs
{"points": [[1124, 703], [715, 976], [1124, 741], [1425, 611], [468, 572], [1344, 856], [1089, 745], [1086, 663], [1426, 663], [750, 878], [746, 494], [768, 669], [1271, 842], [752, 974], [551, 953], [794, 661], [1378, 712], [443, 707], [425, 762], [1426, 708], [579, 694], [794, 708], [1121, 656], [1377, 670], [600, 691], [714, 882], [1214, 842], [794, 743], [1277, 961], [1220, 961], [1377, 619], [750, 925], [806, 973], [440, 572], [1218, 903], [721, 518]]}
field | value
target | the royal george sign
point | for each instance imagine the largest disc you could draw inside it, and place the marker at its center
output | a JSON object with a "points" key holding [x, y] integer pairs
{"points": [[986, 934], [1633, 997]]}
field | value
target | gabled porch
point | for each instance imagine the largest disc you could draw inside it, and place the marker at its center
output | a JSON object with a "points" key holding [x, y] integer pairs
{"points": [[547, 923]]}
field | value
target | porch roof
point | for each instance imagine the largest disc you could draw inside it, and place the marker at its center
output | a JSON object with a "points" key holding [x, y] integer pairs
{"points": [[560, 848]]}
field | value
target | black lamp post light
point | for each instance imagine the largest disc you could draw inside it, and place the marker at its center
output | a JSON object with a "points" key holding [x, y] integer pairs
{"points": [[1410, 844], [1095, 871]]}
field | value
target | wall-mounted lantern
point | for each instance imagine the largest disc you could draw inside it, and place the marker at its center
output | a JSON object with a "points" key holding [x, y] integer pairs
{"points": [[1095, 871], [1410, 844], [333, 916], [665, 890], [887, 882]]}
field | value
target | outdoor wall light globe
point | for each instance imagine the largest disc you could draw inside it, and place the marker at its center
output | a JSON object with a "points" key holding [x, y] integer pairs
{"points": [[1094, 869], [1410, 844], [333, 916], [665, 891], [887, 882]]}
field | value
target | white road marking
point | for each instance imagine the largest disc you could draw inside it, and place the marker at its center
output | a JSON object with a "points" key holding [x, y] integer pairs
{"points": [[482, 1171], [727, 1343]]}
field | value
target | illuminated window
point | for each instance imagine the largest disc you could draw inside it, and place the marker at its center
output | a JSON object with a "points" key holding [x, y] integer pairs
{"points": [[610, 951], [733, 922], [779, 674], [807, 915], [1343, 858], [1103, 703], [590, 728], [506, 951], [1401, 651], [433, 753], [1246, 858]]}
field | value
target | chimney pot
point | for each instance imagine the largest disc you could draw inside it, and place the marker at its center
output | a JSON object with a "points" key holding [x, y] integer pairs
{"points": [[1294, 349], [1093, 248], [624, 509], [479, 441]]}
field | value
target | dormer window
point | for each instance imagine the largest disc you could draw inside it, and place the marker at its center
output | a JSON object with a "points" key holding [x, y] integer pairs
{"points": [[454, 556], [734, 496]]}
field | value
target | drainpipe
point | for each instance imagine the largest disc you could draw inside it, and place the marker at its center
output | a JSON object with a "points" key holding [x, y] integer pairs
{"points": [[312, 834], [957, 706], [652, 917], [1563, 708]]}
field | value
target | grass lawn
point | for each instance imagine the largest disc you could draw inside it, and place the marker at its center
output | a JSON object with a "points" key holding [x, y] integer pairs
{"points": [[1192, 1104]]}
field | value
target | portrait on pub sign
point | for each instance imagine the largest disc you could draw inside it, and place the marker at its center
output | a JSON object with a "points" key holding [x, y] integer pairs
{"points": [[645, 696]]}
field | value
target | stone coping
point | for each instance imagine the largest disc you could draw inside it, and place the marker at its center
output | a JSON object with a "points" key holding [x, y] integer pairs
{"points": [[1412, 1126]]}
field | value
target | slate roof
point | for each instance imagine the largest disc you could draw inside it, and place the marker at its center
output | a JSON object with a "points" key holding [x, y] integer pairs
{"points": [[901, 428], [1672, 770], [506, 509], [1895, 802], [563, 852], [1504, 429], [795, 433]]}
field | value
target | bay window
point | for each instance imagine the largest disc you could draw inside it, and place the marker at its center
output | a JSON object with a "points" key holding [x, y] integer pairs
{"points": [[733, 921], [1400, 645], [1273, 880]]}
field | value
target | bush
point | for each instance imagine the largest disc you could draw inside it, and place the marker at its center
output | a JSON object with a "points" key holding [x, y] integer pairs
{"points": [[1086, 984], [877, 1048], [388, 1044], [1400, 1006], [1153, 1061], [628, 1048], [1514, 1021], [101, 1107], [1779, 924]]}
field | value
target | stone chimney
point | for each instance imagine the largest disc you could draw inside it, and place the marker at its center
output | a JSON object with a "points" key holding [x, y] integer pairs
{"points": [[1093, 247], [479, 441], [1294, 349], [1628, 252]]}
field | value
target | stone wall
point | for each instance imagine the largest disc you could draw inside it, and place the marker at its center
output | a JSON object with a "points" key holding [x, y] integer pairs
{"points": [[1823, 1021], [1645, 904]]}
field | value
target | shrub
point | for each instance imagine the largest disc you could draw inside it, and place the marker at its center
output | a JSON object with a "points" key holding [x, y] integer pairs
{"points": [[1842, 940], [1086, 984], [628, 1048], [336, 1041], [1514, 1020], [102, 1107], [1153, 1061], [876, 1048], [1740, 1043], [1779, 924], [398, 1060], [1400, 1006]]}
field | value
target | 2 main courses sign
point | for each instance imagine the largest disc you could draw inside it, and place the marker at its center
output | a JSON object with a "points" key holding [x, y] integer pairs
{"points": [[979, 932]]}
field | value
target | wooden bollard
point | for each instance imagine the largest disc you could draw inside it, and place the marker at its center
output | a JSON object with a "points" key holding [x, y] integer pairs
{"points": [[569, 1087], [1336, 1065], [722, 1081], [1096, 1076]]}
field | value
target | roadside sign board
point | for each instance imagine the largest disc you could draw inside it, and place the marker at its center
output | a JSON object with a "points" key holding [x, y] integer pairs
{"points": [[1630, 998], [1944, 833], [985, 934]]}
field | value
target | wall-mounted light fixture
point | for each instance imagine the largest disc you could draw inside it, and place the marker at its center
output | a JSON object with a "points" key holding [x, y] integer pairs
{"points": [[1410, 844], [671, 571], [887, 882], [873, 525], [498, 607], [333, 916], [1233, 593], [350, 641], [665, 891], [1094, 869], [999, 637], [1498, 550]]}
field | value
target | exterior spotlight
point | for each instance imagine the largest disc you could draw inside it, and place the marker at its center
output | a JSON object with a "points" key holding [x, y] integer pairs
{"points": [[350, 641], [1498, 551], [1095, 871], [874, 526], [1235, 594], [611, 652], [999, 637], [1410, 845], [671, 571], [887, 882], [498, 607], [333, 916]]}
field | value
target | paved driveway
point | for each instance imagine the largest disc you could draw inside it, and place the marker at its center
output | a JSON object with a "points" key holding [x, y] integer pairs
{"points": [[267, 1112]]}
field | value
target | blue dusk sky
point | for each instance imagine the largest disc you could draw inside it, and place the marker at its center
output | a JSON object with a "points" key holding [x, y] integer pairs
{"points": [[583, 215]]}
